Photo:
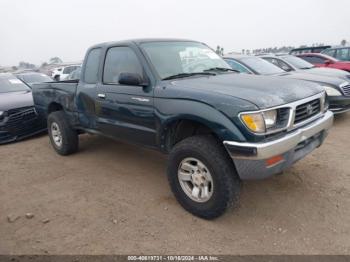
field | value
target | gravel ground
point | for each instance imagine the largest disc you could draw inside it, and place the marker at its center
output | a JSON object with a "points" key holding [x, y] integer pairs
{"points": [[113, 198]]}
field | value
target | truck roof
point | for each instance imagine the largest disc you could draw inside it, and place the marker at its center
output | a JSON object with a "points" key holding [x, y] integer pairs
{"points": [[142, 40]]}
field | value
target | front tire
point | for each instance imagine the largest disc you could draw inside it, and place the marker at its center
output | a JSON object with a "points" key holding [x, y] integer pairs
{"points": [[202, 177], [64, 139]]}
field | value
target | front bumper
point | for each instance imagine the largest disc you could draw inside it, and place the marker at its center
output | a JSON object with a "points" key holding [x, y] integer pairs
{"points": [[251, 158], [339, 104], [21, 125]]}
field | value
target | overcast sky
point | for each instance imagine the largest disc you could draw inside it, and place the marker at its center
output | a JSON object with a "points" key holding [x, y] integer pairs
{"points": [[35, 30]]}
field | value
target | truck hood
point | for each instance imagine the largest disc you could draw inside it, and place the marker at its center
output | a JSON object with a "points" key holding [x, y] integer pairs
{"points": [[327, 72], [321, 79], [263, 91], [14, 100]]}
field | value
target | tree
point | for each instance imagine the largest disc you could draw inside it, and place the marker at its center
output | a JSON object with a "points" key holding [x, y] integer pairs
{"points": [[26, 65], [343, 42], [55, 60]]}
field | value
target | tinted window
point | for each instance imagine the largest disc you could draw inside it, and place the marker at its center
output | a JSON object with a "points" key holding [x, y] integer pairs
{"points": [[342, 54], [91, 66], [237, 66], [313, 59], [120, 60]]}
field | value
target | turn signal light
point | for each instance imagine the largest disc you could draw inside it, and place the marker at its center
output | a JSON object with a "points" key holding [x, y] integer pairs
{"points": [[274, 160]]}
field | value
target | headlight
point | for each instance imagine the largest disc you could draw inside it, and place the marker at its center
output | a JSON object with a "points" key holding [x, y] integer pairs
{"points": [[1, 113], [261, 121], [331, 91]]}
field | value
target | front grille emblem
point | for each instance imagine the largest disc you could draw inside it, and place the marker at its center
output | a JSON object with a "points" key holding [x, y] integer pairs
{"points": [[309, 109]]}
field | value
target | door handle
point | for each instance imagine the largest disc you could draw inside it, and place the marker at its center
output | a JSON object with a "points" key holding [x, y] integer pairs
{"points": [[101, 95]]}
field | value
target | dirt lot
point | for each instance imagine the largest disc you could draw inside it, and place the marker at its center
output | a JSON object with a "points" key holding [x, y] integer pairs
{"points": [[114, 198]]}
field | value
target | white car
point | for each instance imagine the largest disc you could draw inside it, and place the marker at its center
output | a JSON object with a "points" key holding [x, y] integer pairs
{"points": [[62, 72]]}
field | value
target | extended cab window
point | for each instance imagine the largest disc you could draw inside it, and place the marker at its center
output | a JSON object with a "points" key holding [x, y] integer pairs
{"points": [[120, 60], [91, 66]]}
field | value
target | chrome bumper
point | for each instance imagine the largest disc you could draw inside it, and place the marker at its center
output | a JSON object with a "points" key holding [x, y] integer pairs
{"points": [[256, 151]]}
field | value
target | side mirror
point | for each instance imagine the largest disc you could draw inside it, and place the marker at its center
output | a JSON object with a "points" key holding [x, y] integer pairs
{"points": [[131, 79], [328, 62]]}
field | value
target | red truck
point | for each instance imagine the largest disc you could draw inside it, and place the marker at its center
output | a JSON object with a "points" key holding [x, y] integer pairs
{"points": [[321, 60]]}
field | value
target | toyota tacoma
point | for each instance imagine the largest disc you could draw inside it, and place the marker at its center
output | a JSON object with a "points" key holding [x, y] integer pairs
{"points": [[178, 96]]}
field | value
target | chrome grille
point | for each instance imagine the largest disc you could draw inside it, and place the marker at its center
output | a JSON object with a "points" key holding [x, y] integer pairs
{"points": [[307, 110], [346, 90]]}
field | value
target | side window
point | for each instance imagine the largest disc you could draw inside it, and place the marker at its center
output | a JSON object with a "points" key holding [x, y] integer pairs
{"points": [[67, 70], [120, 60], [91, 66], [330, 52], [284, 65], [342, 54], [235, 65], [273, 61], [313, 59]]}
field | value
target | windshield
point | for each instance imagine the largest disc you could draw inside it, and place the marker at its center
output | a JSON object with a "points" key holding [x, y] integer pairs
{"points": [[36, 78], [10, 83], [261, 66], [173, 58], [298, 62]]}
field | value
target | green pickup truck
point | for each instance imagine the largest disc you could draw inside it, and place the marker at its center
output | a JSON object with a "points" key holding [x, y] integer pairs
{"points": [[178, 96]]}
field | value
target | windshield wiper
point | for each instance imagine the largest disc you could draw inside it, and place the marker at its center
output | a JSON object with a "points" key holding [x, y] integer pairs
{"points": [[182, 75], [308, 67], [224, 69]]}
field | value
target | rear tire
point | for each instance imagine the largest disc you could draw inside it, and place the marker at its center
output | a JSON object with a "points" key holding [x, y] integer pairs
{"points": [[202, 177], [64, 139]]}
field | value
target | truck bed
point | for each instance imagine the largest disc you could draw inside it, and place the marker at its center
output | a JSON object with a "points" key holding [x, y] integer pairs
{"points": [[48, 94]]}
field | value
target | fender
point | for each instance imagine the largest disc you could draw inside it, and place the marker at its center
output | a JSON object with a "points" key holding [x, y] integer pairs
{"points": [[169, 111]]}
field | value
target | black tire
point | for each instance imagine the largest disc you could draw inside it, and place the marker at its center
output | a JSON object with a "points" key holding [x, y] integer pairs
{"points": [[70, 139], [225, 179]]}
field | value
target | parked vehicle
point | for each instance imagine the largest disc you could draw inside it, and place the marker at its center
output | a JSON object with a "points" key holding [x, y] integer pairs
{"points": [[18, 118], [31, 78], [218, 127], [62, 72], [322, 60], [341, 53], [291, 63], [309, 49], [75, 74], [337, 89]]}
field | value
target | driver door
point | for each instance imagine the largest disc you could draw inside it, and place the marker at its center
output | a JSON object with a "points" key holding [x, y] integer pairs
{"points": [[125, 111]]}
